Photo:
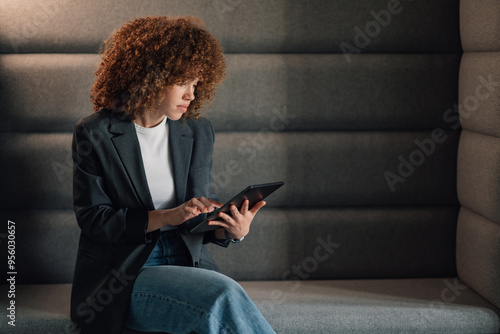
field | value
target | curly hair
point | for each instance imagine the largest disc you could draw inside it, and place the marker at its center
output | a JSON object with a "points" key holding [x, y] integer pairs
{"points": [[149, 54]]}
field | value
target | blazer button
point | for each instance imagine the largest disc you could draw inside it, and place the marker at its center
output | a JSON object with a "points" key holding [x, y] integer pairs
{"points": [[196, 264]]}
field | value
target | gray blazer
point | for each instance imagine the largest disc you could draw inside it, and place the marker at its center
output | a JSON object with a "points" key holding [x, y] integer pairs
{"points": [[111, 200]]}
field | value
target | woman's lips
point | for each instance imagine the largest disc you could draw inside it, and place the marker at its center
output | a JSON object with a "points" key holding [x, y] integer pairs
{"points": [[182, 107]]}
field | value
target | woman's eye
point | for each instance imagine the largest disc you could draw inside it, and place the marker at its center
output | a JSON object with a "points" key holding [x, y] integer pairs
{"points": [[184, 84]]}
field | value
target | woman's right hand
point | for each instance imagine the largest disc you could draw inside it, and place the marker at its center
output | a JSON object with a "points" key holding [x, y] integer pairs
{"points": [[178, 215], [193, 208]]}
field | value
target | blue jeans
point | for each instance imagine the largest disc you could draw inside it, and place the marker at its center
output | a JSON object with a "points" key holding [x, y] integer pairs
{"points": [[171, 296]]}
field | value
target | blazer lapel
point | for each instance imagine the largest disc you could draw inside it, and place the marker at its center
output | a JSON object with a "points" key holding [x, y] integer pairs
{"points": [[127, 145], [181, 146]]}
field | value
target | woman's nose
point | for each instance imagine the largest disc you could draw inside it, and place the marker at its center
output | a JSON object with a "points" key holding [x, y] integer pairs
{"points": [[189, 94]]}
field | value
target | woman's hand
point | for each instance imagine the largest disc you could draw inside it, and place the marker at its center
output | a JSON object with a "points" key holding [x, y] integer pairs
{"points": [[178, 215], [238, 224], [193, 208]]}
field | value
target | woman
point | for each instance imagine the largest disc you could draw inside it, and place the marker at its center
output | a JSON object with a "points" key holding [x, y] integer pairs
{"points": [[142, 165]]}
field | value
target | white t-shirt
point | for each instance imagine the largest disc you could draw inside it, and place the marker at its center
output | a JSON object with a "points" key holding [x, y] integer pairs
{"points": [[158, 165]]}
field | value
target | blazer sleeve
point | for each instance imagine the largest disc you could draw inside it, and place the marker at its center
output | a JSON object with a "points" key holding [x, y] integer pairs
{"points": [[209, 237], [96, 215]]}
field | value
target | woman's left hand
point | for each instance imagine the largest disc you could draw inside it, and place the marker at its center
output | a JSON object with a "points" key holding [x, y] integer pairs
{"points": [[238, 223]]}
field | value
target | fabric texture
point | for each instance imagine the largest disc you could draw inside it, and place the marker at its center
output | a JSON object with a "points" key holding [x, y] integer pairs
{"points": [[479, 25], [311, 306], [478, 167], [478, 253], [155, 155], [479, 89], [250, 26]]}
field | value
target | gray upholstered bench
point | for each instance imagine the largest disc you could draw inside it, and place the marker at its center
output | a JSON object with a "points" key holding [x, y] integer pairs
{"points": [[344, 101], [442, 305]]}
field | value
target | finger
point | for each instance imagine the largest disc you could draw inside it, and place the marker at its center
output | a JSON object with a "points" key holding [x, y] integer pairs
{"points": [[226, 218], [191, 210], [257, 207], [207, 204], [215, 203], [234, 210], [244, 207], [220, 223], [198, 204]]}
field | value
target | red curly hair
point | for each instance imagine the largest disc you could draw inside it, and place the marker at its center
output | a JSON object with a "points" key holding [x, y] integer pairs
{"points": [[147, 55]]}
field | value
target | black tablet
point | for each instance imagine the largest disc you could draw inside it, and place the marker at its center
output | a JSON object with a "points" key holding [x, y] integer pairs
{"points": [[254, 194]]}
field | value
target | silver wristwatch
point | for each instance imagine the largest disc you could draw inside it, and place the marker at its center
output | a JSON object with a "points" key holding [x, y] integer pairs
{"points": [[234, 241]]}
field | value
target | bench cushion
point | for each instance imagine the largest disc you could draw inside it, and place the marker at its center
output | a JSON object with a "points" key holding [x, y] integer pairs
{"points": [[443, 305]]}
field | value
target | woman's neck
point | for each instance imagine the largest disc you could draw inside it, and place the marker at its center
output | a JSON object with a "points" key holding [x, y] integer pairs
{"points": [[148, 120]]}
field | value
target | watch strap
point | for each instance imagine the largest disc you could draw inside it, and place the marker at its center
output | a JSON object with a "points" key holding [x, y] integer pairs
{"points": [[234, 241]]}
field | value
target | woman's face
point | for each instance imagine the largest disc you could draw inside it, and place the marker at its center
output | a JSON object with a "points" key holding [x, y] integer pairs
{"points": [[177, 99]]}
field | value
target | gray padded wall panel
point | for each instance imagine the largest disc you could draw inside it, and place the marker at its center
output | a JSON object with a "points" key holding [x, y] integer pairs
{"points": [[478, 254], [478, 174], [389, 242], [479, 25], [478, 232], [320, 169], [381, 100], [345, 243], [273, 92], [335, 168], [45, 92], [37, 169], [49, 242], [324, 92], [242, 26], [480, 92]]}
